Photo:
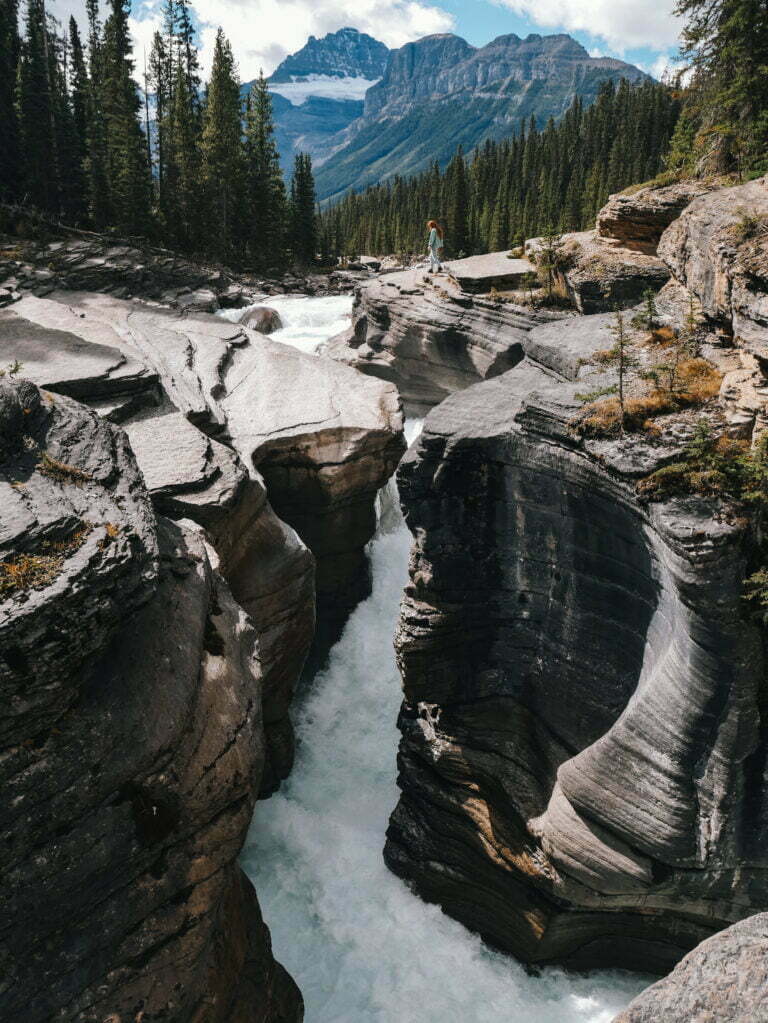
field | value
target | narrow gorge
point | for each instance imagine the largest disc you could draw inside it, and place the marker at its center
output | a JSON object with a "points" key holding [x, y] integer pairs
{"points": [[205, 563]]}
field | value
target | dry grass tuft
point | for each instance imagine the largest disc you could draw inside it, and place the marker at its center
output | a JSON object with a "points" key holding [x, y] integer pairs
{"points": [[21, 573], [697, 382], [60, 471]]}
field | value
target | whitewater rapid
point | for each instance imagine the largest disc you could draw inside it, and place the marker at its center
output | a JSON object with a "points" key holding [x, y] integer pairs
{"points": [[307, 322], [361, 947]]}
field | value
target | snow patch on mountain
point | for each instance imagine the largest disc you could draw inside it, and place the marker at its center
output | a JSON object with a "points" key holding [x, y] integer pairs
{"points": [[300, 89]]}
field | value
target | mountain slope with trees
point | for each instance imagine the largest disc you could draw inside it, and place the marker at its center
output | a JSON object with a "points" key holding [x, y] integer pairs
{"points": [[537, 181], [440, 92]]}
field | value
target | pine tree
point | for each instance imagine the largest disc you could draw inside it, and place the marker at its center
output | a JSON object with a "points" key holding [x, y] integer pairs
{"points": [[36, 114], [457, 240], [222, 156], [183, 167], [99, 199], [726, 42], [127, 168], [266, 189], [303, 217], [10, 154]]}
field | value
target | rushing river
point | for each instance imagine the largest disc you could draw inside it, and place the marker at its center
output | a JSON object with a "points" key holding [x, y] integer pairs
{"points": [[361, 947]]}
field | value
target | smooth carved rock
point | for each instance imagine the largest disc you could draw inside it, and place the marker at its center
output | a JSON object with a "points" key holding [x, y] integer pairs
{"points": [[598, 275], [268, 568], [262, 319], [724, 979], [324, 437], [132, 745], [637, 219], [431, 339], [582, 760], [714, 252]]}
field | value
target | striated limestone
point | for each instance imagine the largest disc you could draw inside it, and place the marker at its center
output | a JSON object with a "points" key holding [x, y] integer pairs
{"points": [[637, 218], [717, 250], [582, 762], [324, 438], [132, 744], [430, 338]]}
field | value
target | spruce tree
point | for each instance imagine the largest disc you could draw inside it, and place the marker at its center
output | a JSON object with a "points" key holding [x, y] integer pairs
{"points": [[127, 168], [99, 199], [266, 188], [10, 154], [726, 42], [222, 155], [36, 114], [303, 214], [457, 240]]}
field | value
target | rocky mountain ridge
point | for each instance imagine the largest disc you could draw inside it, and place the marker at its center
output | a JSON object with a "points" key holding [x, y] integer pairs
{"points": [[439, 91], [347, 53]]}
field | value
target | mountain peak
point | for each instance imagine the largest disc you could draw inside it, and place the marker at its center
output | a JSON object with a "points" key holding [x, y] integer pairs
{"points": [[347, 53]]}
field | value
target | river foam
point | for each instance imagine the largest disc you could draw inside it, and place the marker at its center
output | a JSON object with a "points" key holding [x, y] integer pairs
{"points": [[307, 322], [361, 947]]}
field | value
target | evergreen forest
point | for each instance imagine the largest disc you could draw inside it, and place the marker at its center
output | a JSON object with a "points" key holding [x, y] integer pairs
{"points": [[156, 153]]}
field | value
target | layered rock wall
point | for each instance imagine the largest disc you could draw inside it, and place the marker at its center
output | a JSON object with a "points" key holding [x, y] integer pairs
{"points": [[430, 338], [583, 756], [133, 746]]}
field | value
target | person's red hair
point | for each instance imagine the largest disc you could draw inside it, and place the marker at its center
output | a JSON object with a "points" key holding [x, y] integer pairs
{"points": [[434, 224]]}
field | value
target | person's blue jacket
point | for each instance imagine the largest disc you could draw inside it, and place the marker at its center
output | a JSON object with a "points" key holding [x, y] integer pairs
{"points": [[435, 241]]}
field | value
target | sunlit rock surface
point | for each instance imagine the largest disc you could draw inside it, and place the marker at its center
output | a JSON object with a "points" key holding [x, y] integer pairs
{"points": [[429, 338], [598, 275], [724, 979], [323, 437], [132, 744], [637, 218], [717, 251]]}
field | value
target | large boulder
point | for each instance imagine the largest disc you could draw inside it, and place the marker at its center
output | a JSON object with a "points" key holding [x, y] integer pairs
{"points": [[724, 980], [133, 744], [597, 275], [582, 755], [637, 218], [718, 250], [262, 319], [481, 274], [430, 338]]}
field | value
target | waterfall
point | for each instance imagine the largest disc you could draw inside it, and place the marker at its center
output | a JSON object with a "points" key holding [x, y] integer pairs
{"points": [[361, 947]]}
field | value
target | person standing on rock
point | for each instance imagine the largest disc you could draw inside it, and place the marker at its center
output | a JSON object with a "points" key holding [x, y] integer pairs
{"points": [[435, 246]]}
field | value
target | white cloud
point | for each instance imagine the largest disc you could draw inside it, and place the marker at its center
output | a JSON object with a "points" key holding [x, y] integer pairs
{"points": [[624, 24], [263, 32]]}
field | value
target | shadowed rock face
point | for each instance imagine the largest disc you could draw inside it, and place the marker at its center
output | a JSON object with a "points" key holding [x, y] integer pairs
{"points": [[430, 338], [132, 747], [270, 571], [582, 762], [725, 978]]}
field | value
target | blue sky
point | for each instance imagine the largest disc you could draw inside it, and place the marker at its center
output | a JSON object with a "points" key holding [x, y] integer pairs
{"points": [[263, 32]]}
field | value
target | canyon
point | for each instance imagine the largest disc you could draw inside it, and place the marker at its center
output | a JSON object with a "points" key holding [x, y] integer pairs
{"points": [[199, 521]]}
